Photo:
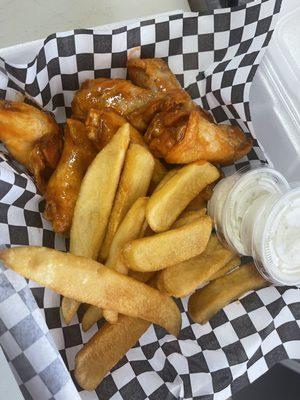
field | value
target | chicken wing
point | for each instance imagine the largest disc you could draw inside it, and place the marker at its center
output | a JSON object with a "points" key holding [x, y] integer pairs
{"points": [[182, 137], [175, 99], [101, 125], [168, 128], [153, 74], [118, 94], [63, 187], [136, 104], [32, 137]]}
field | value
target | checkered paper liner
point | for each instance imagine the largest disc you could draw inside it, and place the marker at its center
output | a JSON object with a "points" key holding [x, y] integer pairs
{"points": [[215, 57]]}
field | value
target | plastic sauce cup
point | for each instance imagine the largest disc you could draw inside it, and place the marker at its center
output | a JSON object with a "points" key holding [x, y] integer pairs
{"points": [[257, 213]]}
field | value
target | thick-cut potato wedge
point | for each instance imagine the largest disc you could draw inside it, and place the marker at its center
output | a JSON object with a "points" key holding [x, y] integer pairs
{"points": [[167, 203], [103, 124], [69, 308], [183, 278], [109, 345], [205, 195], [166, 178], [106, 348], [207, 301], [134, 183], [90, 317], [188, 216], [164, 249], [197, 203], [94, 204], [159, 172], [132, 227], [231, 265], [87, 281], [93, 314], [96, 196]]}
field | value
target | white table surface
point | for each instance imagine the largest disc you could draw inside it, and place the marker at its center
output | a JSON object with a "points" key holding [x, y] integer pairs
{"points": [[26, 20]]}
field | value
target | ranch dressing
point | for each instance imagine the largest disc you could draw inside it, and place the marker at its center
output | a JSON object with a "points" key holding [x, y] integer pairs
{"points": [[256, 213], [276, 238]]}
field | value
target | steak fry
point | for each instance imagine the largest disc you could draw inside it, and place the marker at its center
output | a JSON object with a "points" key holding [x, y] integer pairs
{"points": [[206, 302]]}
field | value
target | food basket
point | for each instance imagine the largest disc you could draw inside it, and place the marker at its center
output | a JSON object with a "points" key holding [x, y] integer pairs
{"points": [[215, 58]]}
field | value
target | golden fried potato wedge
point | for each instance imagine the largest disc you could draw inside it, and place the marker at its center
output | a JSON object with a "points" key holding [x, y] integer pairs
{"points": [[132, 227], [102, 125], [183, 278], [166, 178], [109, 345], [188, 216], [164, 249], [92, 315], [105, 349], [94, 204], [231, 265], [167, 203], [159, 172], [96, 196], [134, 183], [88, 281], [207, 301], [69, 308], [197, 203]]}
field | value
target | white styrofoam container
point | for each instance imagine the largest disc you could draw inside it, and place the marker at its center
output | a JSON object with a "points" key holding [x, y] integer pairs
{"points": [[275, 97]]}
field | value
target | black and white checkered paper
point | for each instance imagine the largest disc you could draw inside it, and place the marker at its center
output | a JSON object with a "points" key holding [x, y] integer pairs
{"points": [[215, 58]]}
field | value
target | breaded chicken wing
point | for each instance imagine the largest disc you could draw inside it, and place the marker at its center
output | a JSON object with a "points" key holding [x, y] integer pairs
{"points": [[63, 187], [32, 137]]}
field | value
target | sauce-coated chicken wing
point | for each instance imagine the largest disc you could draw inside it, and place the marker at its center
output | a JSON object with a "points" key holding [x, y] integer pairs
{"points": [[118, 94], [63, 187], [32, 137], [153, 74], [182, 137], [101, 125]]}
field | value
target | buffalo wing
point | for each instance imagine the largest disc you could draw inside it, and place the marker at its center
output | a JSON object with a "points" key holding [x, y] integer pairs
{"points": [[32, 137], [181, 138], [117, 94], [153, 74], [63, 187], [101, 125]]}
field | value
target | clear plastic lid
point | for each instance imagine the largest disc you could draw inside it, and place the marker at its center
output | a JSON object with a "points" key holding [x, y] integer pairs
{"points": [[252, 185], [234, 195]]}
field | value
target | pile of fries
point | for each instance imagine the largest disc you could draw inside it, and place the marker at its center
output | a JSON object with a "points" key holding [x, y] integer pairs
{"points": [[139, 235]]}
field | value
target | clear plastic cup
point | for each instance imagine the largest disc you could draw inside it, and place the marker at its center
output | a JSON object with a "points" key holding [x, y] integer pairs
{"points": [[276, 239], [257, 213]]}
